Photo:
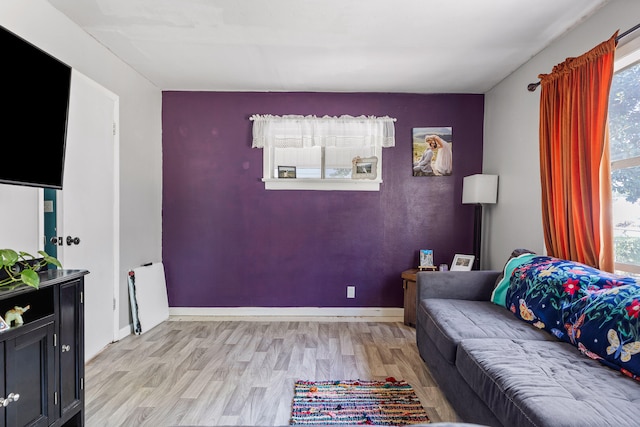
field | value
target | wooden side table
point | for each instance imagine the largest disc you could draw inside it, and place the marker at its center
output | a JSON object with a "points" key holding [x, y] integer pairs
{"points": [[409, 280], [410, 297]]}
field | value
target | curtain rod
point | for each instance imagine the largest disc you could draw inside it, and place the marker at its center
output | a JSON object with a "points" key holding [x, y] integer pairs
{"points": [[531, 87]]}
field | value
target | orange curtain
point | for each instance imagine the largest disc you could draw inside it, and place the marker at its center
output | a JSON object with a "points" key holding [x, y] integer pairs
{"points": [[575, 170]]}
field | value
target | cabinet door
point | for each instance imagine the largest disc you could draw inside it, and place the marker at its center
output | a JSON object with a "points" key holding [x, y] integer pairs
{"points": [[71, 347], [29, 372], [2, 389]]}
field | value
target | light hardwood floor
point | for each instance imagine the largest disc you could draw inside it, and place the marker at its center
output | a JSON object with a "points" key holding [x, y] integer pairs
{"points": [[242, 372]]}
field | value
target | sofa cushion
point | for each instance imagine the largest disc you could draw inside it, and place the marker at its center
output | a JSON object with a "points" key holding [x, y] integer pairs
{"points": [[499, 294], [589, 308], [516, 253], [449, 321], [529, 383]]}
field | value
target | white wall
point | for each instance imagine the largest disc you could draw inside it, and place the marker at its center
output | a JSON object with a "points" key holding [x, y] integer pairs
{"points": [[511, 135], [140, 129], [19, 218]]}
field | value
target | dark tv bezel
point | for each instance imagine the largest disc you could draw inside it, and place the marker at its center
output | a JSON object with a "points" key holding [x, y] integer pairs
{"points": [[60, 179]]}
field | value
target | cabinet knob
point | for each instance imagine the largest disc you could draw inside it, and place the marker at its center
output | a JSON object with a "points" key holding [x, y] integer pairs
{"points": [[11, 398], [66, 348]]}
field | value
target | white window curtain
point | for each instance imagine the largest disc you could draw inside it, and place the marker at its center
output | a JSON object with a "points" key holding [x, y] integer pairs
{"points": [[294, 131]]}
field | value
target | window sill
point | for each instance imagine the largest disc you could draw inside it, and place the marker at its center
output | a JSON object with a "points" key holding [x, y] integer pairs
{"points": [[323, 184], [627, 269]]}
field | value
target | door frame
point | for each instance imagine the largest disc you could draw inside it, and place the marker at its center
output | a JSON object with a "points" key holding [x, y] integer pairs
{"points": [[116, 215]]}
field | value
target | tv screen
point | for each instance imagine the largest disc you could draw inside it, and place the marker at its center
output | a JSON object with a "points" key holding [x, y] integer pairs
{"points": [[35, 95]]}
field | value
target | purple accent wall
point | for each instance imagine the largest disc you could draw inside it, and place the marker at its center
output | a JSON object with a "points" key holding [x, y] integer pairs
{"points": [[228, 242]]}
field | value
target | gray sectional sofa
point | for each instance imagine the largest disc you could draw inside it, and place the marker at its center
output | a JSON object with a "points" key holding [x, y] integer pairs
{"points": [[497, 370]]}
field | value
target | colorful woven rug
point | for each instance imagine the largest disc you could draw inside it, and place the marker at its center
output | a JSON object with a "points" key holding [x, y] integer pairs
{"points": [[386, 403]]}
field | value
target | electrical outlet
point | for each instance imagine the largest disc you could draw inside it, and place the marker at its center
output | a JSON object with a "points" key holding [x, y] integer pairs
{"points": [[351, 291]]}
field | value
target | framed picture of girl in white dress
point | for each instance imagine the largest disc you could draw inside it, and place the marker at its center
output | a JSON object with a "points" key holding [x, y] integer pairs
{"points": [[432, 151]]}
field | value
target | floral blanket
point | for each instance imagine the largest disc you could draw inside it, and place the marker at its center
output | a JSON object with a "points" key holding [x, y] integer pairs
{"points": [[596, 311]]}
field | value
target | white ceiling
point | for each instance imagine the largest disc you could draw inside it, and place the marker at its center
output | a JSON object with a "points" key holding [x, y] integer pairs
{"points": [[417, 46]]}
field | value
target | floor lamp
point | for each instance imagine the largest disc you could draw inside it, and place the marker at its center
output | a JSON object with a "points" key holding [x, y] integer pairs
{"points": [[477, 190]]}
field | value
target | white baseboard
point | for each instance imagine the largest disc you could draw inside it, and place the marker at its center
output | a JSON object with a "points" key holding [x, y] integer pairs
{"points": [[381, 314], [124, 332]]}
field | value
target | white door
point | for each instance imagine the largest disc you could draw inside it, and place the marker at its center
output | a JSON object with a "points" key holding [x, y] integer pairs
{"points": [[87, 206]]}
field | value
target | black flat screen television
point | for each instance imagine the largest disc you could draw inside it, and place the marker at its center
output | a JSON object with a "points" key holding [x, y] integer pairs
{"points": [[35, 95]]}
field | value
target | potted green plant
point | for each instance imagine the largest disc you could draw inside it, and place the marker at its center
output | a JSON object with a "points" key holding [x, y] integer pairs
{"points": [[22, 267]]}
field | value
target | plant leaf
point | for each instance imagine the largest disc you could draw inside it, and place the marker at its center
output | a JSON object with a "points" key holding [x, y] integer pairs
{"points": [[8, 257], [50, 260], [25, 256], [31, 278]]}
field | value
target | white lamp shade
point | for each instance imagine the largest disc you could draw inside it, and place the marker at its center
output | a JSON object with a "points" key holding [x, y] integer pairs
{"points": [[480, 188]]}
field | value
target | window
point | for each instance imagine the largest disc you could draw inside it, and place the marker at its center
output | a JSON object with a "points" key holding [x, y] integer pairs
{"points": [[624, 131], [321, 153]]}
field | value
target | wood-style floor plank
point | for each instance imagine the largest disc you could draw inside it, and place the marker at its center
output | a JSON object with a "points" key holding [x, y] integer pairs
{"points": [[228, 372]]}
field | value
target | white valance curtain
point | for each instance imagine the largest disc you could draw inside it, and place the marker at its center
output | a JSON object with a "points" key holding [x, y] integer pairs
{"points": [[292, 131]]}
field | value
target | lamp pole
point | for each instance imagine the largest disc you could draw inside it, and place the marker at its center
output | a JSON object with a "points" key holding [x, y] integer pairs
{"points": [[477, 234], [478, 189]]}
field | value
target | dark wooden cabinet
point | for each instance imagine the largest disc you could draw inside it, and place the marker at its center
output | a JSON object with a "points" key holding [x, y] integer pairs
{"points": [[43, 360], [71, 321], [29, 374]]}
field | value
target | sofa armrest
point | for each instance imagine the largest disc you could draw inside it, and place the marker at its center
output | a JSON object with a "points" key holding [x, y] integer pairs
{"points": [[476, 285]]}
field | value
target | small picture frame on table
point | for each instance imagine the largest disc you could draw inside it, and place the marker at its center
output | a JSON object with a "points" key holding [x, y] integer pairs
{"points": [[462, 262], [364, 168], [426, 258], [286, 172]]}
